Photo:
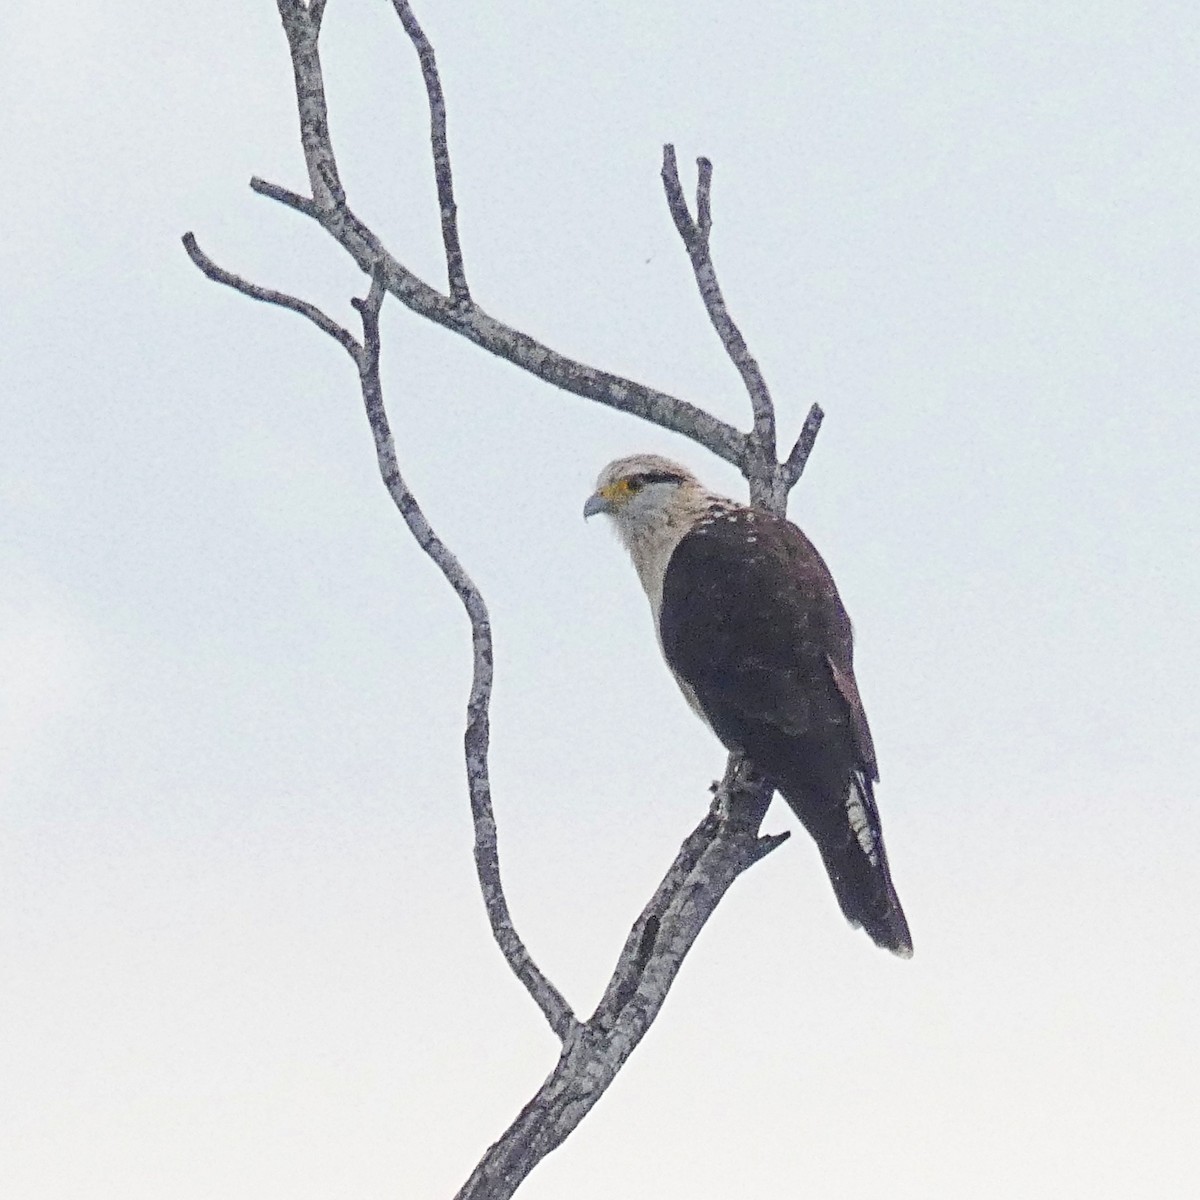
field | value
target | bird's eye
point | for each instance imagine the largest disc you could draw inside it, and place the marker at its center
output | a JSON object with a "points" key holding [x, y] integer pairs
{"points": [[632, 484]]}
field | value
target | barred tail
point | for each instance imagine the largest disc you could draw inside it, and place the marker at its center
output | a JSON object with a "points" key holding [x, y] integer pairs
{"points": [[868, 899], [850, 839]]}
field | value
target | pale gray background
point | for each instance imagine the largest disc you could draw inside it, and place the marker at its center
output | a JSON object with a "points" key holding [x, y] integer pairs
{"points": [[243, 951]]}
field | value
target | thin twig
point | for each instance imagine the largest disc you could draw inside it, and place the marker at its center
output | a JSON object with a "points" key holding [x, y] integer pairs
{"points": [[316, 12], [695, 237], [798, 459], [273, 191], [269, 295], [455, 270], [352, 234]]}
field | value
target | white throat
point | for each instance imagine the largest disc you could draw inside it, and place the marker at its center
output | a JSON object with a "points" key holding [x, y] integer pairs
{"points": [[651, 539], [651, 536], [650, 545]]}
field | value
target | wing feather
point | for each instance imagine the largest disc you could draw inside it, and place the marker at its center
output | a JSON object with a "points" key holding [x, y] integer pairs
{"points": [[752, 623]]}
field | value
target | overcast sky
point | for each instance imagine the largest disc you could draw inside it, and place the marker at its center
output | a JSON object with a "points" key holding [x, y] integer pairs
{"points": [[243, 951]]}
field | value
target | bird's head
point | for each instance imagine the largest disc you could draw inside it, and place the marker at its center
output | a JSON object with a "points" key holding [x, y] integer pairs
{"points": [[639, 490], [653, 502]]}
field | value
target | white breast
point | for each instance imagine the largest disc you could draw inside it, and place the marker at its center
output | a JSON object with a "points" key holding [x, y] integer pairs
{"points": [[651, 550]]}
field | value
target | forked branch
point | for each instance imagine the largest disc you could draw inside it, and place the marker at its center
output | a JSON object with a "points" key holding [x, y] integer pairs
{"points": [[269, 296], [328, 207], [798, 459], [711, 858], [475, 740], [695, 234], [455, 271], [726, 842]]}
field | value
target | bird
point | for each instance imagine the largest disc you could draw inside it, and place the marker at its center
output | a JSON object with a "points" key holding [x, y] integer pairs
{"points": [[752, 628]]}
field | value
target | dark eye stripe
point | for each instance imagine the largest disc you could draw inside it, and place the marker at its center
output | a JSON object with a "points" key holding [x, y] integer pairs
{"points": [[655, 477]]}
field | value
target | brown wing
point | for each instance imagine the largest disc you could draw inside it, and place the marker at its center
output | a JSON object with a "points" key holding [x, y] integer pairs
{"points": [[844, 681], [752, 622]]}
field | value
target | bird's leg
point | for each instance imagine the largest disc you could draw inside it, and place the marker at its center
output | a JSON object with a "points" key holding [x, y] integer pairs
{"points": [[742, 797], [719, 807], [740, 776]]}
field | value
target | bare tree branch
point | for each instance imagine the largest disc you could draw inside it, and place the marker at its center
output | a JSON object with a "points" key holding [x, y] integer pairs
{"points": [[798, 459], [695, 236], [741, 801], [269, 296], [331, 210], [302, 33], [704, 172], [475, 740], [711, 858], [455, 271], [285, 196], [723, 845], [518, 348], [726, 842]]}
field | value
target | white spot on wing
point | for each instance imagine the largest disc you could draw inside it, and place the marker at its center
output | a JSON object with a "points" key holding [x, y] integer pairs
{"points": [[860, 822]]}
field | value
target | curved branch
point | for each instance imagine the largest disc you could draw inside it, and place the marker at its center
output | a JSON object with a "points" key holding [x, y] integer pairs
{"points": [[695, 237], [798, 459], [270, 296], [455, 270], [711, 858], [726, 842], [329, 208], [723, 845], [475, 739]]}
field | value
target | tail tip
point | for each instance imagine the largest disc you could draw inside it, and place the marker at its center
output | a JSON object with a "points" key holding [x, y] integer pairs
{"points": [[891, 933]]}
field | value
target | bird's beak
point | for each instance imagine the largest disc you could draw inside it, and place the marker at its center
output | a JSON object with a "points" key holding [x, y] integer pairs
{"points": [[597, 503]]}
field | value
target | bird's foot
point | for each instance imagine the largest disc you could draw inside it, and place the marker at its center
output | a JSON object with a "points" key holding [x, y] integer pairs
{"points": [[739, 774], [720, 803]]}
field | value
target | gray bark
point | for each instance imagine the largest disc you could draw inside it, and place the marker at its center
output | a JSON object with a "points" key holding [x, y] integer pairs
{"points": [[726, 842]]}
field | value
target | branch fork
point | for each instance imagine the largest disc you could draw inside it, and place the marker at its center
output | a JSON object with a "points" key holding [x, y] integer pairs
{"points": [[726, 842]]}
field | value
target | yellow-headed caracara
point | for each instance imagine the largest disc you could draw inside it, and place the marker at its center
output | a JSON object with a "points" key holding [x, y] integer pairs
{"points": [[752, 628]]}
